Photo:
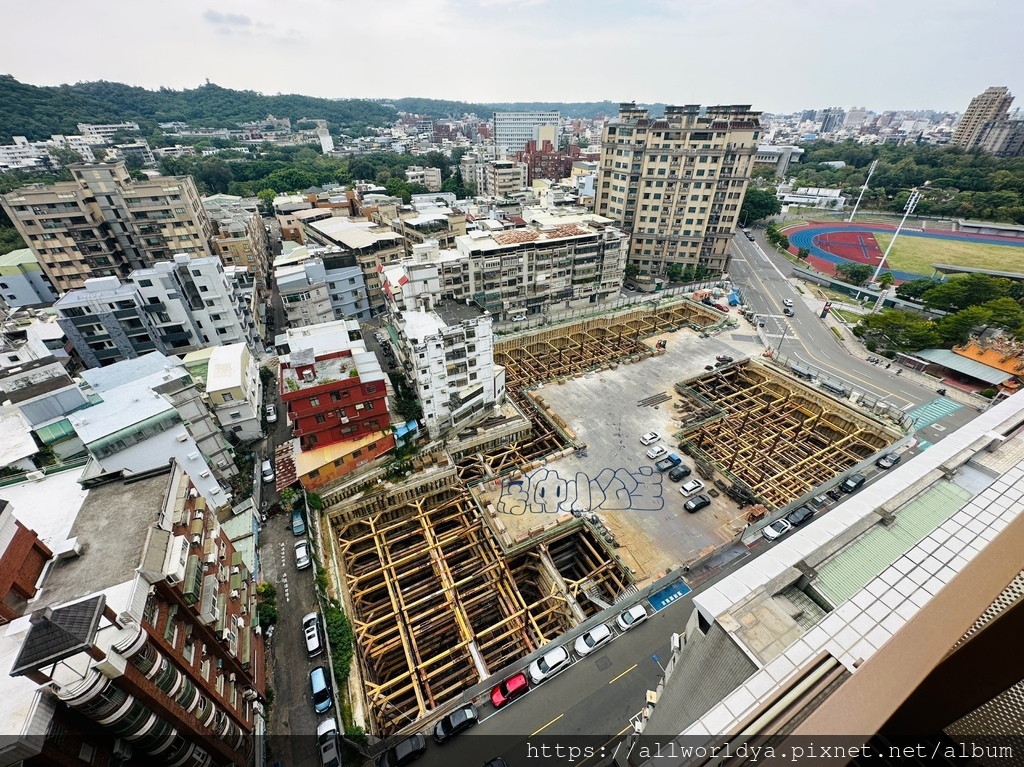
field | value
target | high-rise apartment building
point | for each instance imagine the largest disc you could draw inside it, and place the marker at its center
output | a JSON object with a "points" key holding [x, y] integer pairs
{"points": [[832, 119], [677, 182], [106, 224], [513, 129], [993, 104]]}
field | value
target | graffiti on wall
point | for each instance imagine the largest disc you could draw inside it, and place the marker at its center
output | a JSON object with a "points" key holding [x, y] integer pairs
{"points": [[545, 491]]}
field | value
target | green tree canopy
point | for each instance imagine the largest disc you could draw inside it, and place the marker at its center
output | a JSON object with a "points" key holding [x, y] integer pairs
{"points": [[901, 331], [759, 204], [957, 328], [855, 274], [964, 290], [913, 289]]}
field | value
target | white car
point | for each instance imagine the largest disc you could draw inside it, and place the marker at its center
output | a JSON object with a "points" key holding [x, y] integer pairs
{"points": [[634, 616], [302, 559], [691, 487], [330, 746], [549, 664], [519, 318], [649, 438], [656, 452], [787, 301], [593, 639], [271, 413], [776, 529]]}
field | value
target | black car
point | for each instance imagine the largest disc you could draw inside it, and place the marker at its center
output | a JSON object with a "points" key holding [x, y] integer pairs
{"points": [[801, 515], [853, 483], [888, 460], [697, 503], [459, 720], [404, 752], [679, 473]]}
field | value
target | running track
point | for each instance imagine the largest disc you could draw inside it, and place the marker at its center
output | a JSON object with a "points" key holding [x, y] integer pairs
{"points": [[833, 243]]}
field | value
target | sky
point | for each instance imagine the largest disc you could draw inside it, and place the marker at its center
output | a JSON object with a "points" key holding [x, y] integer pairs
{"points": [[777, 55]]}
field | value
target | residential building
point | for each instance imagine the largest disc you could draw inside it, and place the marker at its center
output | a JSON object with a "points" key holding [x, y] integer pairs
{"points": [[41, 155], [23, 281], [335, 394], [428, 177], [561, 261], [369, 242], [500, 178], [512, 130], [46, 395], [137, 152], [855, 117], [23, 557], [233, 387], [249, 306], [105, 224], [103, 134], [141, 642], [29, 335], [895, 612], [832, 119], [676, 183], [812, 197], [240, 236], [146, 411], [992, 105], [326, 142], [451, 362], [544, 161], [779, 157], [304, 295], [17, 447], [1003, 138]]}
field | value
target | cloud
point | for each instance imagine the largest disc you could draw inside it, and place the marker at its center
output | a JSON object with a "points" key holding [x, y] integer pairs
{"points": [[227, 19]]}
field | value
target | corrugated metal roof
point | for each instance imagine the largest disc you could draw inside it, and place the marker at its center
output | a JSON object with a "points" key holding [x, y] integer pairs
{"points": [[852, 568], [961, 364]]}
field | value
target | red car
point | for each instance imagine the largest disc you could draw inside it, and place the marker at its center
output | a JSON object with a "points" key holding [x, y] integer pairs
{"points": [[509, 690]]}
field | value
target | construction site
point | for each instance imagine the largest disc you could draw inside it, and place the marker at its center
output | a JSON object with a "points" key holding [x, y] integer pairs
{"points": [[462, 567]]}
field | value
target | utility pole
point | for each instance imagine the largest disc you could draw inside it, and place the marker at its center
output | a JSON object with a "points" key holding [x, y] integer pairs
{"points": [[871, 169], [911, 204]]}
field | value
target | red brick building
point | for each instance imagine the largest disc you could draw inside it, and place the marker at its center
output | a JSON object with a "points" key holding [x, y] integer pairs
{"points": [[547, 162], [22, 560]]}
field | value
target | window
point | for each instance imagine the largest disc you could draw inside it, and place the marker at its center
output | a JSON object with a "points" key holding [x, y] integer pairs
{"points": [[321, 418], [335, 396], [371, 388], [314, 474], [142, 284], [227, 396], [357, 453], [314, 401]]}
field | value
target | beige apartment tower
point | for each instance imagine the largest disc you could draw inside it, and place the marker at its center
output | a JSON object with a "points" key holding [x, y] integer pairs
{"points": [[103, 223], [993, 104], [676, 183]]}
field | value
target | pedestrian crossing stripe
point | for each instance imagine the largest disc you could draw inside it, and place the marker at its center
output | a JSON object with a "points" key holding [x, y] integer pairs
{"points": [[933, 411], [923, 445]]}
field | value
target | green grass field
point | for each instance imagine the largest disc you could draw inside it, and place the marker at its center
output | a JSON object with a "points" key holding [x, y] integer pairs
{"points": [[917, 254]]}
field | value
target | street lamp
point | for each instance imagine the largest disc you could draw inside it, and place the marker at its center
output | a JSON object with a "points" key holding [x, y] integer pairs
{"points": [[785, 330], [911, 204]]}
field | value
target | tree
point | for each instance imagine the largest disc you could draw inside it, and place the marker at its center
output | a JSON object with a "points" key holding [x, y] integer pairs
{"points": [[900, 331], [213, 174], [759, 204], [267, 199], [631, 271], [64, 156], [783, 242], [855, 274], [1005, 312], [763, 173], [803, 253], [964, 290], [914, 289], [957, 328], [886, 280], [674, 272]]}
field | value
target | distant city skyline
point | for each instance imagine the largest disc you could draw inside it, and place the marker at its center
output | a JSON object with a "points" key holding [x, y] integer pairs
{"points": [[777, 55]]}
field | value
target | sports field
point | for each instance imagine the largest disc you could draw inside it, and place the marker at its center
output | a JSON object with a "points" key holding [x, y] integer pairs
{"points": [[917, 254]]}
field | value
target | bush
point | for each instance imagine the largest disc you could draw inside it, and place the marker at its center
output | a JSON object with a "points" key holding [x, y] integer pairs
{"points": [[988, 393], [871, 345], [321, 579], [339, 636], [267, 614]]}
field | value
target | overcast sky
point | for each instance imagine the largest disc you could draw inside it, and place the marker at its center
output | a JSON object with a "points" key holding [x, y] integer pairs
{"points": [[778, 55]]}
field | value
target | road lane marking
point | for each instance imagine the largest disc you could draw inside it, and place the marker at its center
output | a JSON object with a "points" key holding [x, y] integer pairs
{"points": [[623, 674], [547, 725]]}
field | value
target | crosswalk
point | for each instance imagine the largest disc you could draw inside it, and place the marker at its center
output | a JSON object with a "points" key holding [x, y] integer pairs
{"points": [[933, 411]]}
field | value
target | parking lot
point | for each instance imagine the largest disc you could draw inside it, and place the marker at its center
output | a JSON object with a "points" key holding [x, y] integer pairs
{"points": [[610, 410]]}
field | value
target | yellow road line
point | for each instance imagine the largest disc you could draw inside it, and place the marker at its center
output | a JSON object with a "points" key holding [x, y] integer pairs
{"points": [[547, 725], [622, 674]]}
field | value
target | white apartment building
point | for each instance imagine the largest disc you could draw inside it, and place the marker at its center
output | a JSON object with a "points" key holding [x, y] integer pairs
{"points": [[512, 130], [32, 155], [103, 133], [500, 178], [452, 365], [304, 294], [428, 177], [234, 390]]}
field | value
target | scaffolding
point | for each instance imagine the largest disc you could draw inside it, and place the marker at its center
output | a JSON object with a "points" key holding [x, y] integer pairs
{"points": [[774, 437]]}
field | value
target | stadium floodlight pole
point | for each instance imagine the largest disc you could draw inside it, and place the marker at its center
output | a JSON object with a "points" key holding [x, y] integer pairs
{"points": [[871, 169], [911, 204]]}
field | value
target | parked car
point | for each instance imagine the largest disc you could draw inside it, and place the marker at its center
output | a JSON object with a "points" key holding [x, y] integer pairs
{"points": [[853, 483], [593, 639], [749, 236], [302, 558], [668, 462], [634, 616], [404, 752], [267, 471], [320, 685], [656, 452], [459, 720], [776, 529], [721, 307], [787, 301], [549, 664], [799, 516], [650, 438], [271, 413], [835, 494], [509, 690], [330, 746], [680, 472], [519, 318], [697, 503], [298, 523], [888, 460], [691, 487], [311, 631]]}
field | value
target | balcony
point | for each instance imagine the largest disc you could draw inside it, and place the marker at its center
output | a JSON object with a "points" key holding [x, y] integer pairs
{"points": [[154, 308]]}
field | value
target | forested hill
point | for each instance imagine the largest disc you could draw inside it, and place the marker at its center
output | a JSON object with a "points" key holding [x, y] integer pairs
{"points": [[37, 112], [574, 109]]}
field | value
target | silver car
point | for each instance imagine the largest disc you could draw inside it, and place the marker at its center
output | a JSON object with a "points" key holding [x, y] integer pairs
{"points": [[592, 640], [549, 664], [634, 616], [302, 558]]}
